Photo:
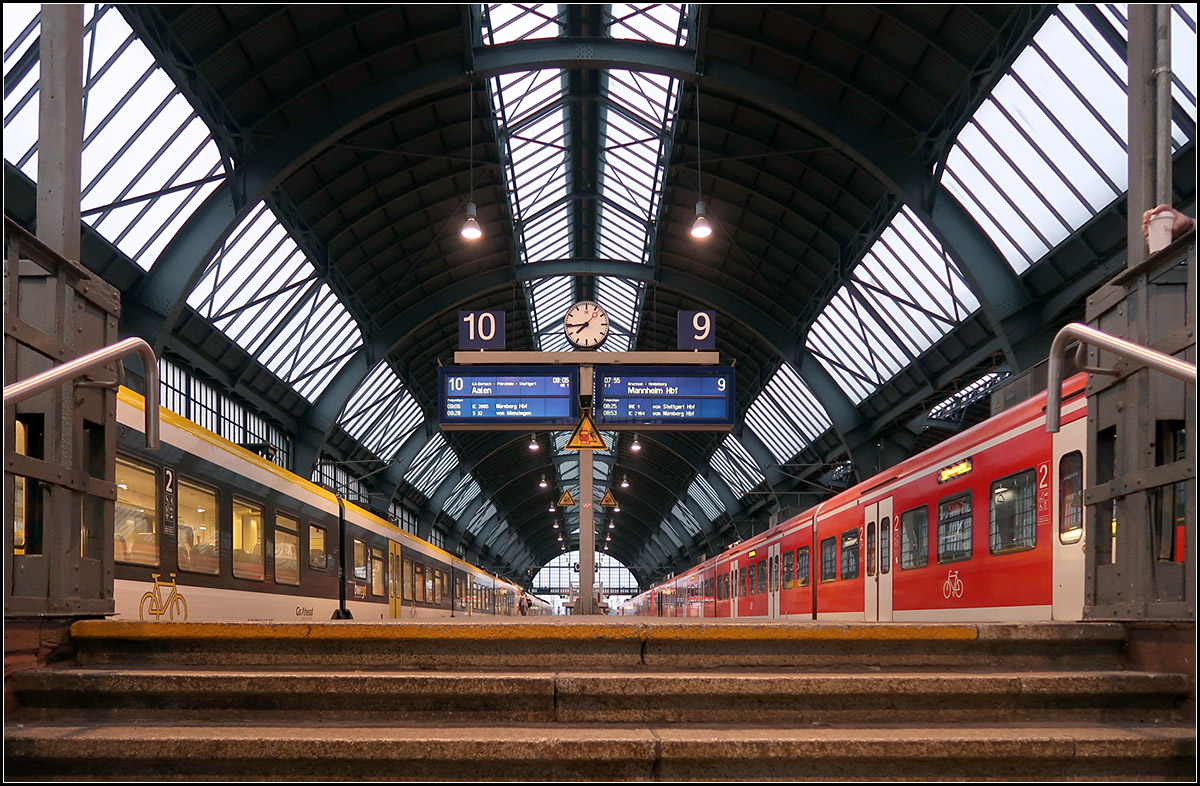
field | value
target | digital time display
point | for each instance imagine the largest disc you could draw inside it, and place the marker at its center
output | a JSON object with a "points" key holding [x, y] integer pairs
{"points": [[648, 397], [508, 397]]}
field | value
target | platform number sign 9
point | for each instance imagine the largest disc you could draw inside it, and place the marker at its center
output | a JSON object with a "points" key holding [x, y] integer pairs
{"points": [[481, 330], [697, 330]]}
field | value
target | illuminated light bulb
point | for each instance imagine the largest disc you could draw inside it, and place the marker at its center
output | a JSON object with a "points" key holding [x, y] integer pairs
{"points": [[470, 228], [701, 228]]}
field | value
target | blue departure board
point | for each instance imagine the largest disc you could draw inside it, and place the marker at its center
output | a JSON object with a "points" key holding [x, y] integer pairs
{"points": [[649, 397], [508, 397]]}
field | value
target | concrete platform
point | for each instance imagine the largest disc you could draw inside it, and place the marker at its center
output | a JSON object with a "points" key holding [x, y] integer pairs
{"points": [[603, 752]]}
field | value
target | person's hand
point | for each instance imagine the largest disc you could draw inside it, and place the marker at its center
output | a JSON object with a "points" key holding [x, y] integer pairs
{"points": [[1179, 226]]}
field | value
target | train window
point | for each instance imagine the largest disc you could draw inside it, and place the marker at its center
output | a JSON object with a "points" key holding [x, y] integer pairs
{"points": [[418, 582], [406, 581], [752, 581], [317, 555], [829, 559], [914, 538], [287, 550], [1013, 513], [136, 533], [248, 561], [359, 571], [788, 566], [438, 586], [954, 528], [741, 588], [762, 576], [885, 545], [198, 549], [430, 584], [19, 490], [871, 548], [378, 574], [850, 559], [802, 566], [1070, 497]]}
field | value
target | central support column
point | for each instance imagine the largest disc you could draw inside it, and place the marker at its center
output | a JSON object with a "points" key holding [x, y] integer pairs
{"points": [[587, 537]]}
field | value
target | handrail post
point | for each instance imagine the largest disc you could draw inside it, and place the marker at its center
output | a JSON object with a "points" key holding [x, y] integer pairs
{"points": [[1090, 335], [38, 383]]}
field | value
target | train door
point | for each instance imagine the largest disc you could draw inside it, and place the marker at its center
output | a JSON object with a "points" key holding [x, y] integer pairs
{"points": [[877, 531], [395, 604], [773, 580], [734, 589], [1062, 482]]}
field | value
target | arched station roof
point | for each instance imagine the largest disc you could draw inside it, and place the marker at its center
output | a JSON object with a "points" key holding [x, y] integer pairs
{"points": [[907, 200]]}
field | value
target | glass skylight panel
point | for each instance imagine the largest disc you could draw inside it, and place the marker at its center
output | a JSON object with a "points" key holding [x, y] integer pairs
{"points": [[786, 416], [466, 490], [263, 293], [481, 517], [531, 121], [660, 23], [703, 493], [902, 297], [683, 514], [736, 466], [622, 299], [381, 413], [432, 464], [148, 160], [638, 121], [507, 22], [968, 395], [550, 298], [22, 28], [1047, 150]]}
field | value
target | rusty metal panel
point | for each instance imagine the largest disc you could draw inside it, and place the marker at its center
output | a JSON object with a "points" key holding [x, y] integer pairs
{"points": [[60, 445], [1142, 446]]}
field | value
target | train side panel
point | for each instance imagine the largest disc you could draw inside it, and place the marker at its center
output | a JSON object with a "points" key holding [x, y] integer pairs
{"points": [[986, 526]]}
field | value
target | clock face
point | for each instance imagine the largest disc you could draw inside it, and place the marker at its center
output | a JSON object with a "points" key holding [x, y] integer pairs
{"points": [[586, 324]]}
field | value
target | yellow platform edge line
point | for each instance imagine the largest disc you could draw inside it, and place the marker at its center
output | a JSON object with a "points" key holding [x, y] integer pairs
{"points": [[496, 631]]}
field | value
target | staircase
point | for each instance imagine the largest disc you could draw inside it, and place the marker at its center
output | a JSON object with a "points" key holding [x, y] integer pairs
{"points": [[579, 699]]}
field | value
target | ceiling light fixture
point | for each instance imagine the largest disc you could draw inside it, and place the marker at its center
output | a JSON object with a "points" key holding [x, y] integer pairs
{"points": [[625, 482], [533, 443], [470, 228], [542, 483], [636, 446], [700, 228]]}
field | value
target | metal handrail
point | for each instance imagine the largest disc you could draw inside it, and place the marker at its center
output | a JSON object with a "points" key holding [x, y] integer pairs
{"points": [[1084, 333], [46, 380]]}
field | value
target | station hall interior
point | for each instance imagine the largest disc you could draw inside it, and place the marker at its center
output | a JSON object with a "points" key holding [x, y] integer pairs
{"points": [[901, 205]]}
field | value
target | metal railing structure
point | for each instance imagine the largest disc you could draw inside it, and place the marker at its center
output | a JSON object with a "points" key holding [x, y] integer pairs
{"points": [[18, 392], [1139, 495], [1077, 331]]}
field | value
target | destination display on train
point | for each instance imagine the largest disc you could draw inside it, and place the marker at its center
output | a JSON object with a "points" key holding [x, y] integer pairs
{"points": [[508, 397], [649, 397]]}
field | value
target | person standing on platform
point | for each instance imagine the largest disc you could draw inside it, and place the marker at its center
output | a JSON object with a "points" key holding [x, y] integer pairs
{"points": [[523, 604]]}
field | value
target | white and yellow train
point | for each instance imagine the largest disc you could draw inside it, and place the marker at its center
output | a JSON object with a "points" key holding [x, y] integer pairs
{"points": [[207, 530]]}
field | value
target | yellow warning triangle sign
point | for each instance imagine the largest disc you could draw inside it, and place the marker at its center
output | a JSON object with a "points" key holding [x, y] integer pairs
{"points": [[609, 501], [586, 436], [566, 499]]}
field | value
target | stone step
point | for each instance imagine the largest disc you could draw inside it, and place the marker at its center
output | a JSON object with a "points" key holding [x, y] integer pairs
{"points": [[560, 752], [598, 697], [566, 643]]}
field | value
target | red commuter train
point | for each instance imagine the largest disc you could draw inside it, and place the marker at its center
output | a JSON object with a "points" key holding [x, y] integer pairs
{"points": [[987, 525]]}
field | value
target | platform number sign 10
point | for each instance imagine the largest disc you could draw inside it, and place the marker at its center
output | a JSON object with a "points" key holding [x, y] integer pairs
{"points": [[697, 330], [481, 330]]}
